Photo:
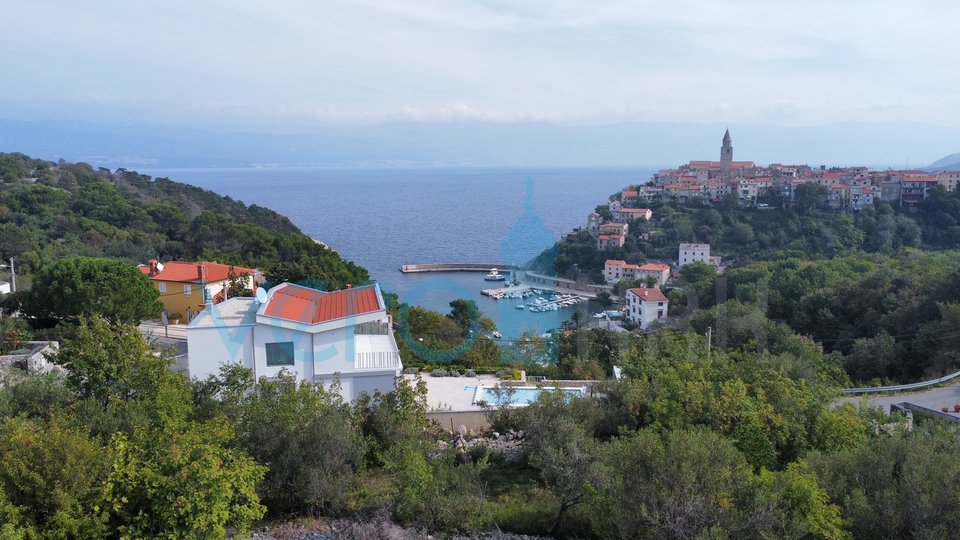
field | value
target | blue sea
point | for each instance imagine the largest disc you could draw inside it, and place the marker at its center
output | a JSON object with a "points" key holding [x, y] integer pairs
{"points": [[385, 218]]}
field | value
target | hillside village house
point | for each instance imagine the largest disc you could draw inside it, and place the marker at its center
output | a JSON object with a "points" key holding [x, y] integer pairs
{"points": [[644, 306], [185, 286], [626, 215], [4, 287], [610, 241], [615, 270], [316, 336], [692, 253]]}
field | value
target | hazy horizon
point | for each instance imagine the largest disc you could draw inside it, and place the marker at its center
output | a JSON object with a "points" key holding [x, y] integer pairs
{"points": [[294, 65]]}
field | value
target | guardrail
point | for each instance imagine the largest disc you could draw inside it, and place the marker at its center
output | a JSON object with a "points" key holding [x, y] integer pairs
{"points": [[901, 387]]}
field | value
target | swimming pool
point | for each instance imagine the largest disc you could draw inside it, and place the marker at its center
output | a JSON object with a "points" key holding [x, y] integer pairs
{"points": [[518, 395]]}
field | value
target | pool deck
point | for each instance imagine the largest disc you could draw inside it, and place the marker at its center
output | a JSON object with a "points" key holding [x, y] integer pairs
{"points": [[453, 393]]}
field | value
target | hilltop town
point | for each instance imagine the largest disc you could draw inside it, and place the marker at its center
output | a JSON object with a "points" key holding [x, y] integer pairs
{"points": [[777, 184]]}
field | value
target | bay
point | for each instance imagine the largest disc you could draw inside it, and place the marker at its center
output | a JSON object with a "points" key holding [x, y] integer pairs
{"points": [[385, 218]]}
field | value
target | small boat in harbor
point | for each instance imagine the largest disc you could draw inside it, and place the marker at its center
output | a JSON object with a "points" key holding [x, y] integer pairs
{"points": [[520, 306], [494, 275]]}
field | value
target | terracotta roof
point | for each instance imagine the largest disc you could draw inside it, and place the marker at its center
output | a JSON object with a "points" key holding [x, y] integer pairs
{"points": [[634, 210], [191, 272], [654, 267], [627, 193], [649, 295], [310, 306], [616, 262]]}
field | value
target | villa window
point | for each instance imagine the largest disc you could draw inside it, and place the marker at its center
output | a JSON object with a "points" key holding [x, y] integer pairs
{"points": [[162, 286], [280, 354], [187, 290]]}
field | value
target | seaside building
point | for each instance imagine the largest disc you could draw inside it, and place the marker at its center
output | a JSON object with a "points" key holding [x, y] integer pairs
{"points": [[610, 241], [316, 336], [615, 270], [692, 253], [185, 286], [645, 305], [626, 215]]}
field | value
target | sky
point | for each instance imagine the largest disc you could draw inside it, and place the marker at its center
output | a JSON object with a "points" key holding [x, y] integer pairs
{"points": [[290, 65]]}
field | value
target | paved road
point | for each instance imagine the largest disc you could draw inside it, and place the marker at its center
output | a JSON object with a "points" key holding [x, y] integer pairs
{"points": [[173, 331], [946, 396]]}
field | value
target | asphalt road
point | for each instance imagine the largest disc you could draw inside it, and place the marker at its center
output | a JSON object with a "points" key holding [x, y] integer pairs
{"points": [[945, 396]]}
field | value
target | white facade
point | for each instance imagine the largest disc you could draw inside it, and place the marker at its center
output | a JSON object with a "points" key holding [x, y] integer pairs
{"points": [[692, 253], [644, 306], [4, 287], [359, 349]]}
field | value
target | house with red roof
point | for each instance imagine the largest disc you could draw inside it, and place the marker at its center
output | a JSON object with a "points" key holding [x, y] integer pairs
{"points": [[645, 305], [615, 270], [185, 287], [317, 336], [610, 241]]}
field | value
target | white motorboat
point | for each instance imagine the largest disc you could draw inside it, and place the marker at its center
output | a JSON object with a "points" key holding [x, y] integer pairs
{"points": [[494, 275]]}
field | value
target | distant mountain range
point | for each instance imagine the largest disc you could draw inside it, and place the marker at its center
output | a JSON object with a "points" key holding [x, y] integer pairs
{"points": [[478, 144], [950, 163]]}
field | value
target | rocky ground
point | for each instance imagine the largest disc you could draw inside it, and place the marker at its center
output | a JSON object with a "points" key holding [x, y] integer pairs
{"points": [[509, 444]]}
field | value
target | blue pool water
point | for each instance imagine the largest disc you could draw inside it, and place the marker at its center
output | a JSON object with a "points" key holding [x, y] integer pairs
{"points": [[521, 395]]}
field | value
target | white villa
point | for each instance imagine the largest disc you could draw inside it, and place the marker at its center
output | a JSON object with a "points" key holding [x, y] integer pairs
{"points": [[315, 335], [644, 306]]}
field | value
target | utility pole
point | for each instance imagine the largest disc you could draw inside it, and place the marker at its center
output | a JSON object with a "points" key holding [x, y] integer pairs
{"points": [[709, 340]]}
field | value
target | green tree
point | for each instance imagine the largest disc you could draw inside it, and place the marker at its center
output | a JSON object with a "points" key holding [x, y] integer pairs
{"points": [[308, 437], [181, 484], [111, 363], [563, 449], [73, 289], [810, 195], [53, 476]]}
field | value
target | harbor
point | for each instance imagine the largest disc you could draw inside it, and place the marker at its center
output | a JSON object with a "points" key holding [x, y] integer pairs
{"points": [[543, 300], [518, 301]]}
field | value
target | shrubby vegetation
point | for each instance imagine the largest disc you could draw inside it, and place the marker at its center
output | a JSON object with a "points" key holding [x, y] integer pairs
{"points": [[738, 443], [890, 317]]}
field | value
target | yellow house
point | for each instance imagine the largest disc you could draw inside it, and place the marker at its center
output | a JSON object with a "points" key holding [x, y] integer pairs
{"points": [[185, 286]]}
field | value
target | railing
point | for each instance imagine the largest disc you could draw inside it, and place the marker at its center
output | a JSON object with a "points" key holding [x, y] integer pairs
{"points": [[377, 360], [373, 328], [901, 387]]}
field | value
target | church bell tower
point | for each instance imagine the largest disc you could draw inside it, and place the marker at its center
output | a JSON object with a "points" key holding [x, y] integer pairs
{"points": [[726, 156]]}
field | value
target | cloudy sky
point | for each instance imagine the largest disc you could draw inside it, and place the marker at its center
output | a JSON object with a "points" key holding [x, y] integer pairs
{"points": [[292, 64]]}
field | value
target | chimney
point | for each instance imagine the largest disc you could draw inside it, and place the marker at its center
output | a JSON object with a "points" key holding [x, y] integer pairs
{"points": [[200, 273], [349, 285], [153, 267]]}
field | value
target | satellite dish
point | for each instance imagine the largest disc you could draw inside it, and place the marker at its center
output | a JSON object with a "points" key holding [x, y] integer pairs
{"points": [[261, 295]]}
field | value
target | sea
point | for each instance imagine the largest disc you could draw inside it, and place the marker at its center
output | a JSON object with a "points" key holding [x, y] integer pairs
{"points": [[385, 218]]}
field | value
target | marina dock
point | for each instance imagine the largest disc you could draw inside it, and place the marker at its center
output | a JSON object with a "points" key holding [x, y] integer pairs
{"points": [[454, 267]]}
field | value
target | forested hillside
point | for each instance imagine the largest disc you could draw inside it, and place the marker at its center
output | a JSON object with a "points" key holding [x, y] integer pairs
{"points": [[49, 211], [743, 235]]}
